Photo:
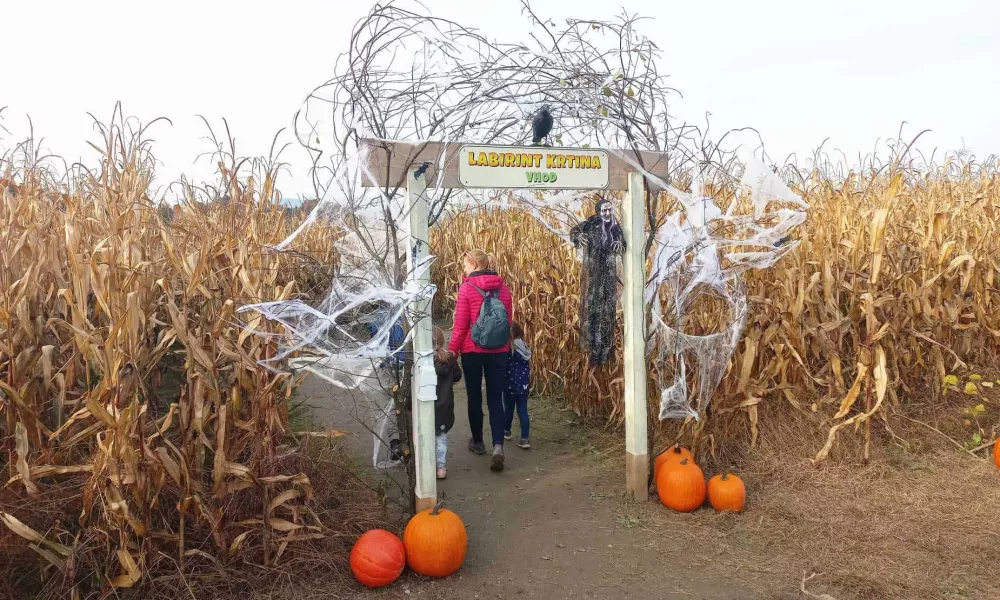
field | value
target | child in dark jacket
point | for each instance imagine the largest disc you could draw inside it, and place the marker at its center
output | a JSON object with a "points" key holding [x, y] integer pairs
{"points": [[448, 372], [515, 393]]}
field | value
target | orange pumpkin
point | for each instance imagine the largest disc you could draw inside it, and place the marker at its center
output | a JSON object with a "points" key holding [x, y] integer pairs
{"points": [[435, 542], [996, 454], [378, 558], [726, 492], [671, 456], [681, 487]]}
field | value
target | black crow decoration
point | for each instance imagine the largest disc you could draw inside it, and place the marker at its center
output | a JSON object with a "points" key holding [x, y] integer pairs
{"points": [[541, 125], [420, 171]]}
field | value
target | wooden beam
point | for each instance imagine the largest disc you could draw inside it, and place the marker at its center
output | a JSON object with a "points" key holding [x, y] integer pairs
{"points": [[636, 451], [424, 380], [387, 164]]}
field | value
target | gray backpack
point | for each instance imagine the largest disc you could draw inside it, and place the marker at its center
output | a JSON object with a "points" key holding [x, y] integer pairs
{"points": [[492, 329]]}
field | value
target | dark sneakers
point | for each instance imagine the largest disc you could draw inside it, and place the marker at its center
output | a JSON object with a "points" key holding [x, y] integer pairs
{"points": [[496, 464], [477, 447]]}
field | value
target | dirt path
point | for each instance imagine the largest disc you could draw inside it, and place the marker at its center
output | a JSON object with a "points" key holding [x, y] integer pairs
{"points": [[554, 523], [913, 523]]}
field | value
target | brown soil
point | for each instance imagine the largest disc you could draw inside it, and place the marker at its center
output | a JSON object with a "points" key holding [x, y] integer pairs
{"points": [[555, 524]]}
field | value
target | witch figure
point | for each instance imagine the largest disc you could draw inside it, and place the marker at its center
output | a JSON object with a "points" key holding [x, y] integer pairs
{"points": [[602, 241]]}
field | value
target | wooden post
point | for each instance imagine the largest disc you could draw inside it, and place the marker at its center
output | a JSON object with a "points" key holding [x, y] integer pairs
{"points": [[636, 452], [424, 390]]}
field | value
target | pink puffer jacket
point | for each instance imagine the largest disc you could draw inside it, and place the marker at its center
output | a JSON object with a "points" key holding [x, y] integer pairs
{"points": [[467, 310]]}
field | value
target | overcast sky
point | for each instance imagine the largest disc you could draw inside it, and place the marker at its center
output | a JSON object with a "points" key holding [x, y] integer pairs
{"points": [[799, 72]]}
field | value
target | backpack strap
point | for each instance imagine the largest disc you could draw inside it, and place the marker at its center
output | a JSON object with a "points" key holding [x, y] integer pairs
{"points": [[482, 292]]}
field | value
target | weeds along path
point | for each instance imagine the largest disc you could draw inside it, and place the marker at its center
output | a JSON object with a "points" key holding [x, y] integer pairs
{"points": [[553, 524]]}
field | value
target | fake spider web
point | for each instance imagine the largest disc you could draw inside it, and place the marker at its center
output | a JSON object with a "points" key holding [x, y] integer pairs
{"points": [[700, 253], [455, 87]]}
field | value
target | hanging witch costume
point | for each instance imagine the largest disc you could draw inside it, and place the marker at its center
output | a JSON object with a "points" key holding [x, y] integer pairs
{"points": [[603, 241]]}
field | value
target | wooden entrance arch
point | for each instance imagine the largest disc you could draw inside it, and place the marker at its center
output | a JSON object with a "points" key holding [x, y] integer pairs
{"points": [[395, 165]]}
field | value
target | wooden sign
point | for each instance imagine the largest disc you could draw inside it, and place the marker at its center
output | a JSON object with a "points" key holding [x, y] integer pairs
{"points": [[388, 162], [509, 167]]}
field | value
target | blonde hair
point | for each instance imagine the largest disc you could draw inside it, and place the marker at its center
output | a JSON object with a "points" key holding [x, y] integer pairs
{"points": [[440, 345], [479, 259]]}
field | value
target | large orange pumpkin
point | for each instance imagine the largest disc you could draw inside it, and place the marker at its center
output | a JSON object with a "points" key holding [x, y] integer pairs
{"points": [[378, 558], [726, 492], [996, 454], [671, 456], [435, 542], [681, 487]]}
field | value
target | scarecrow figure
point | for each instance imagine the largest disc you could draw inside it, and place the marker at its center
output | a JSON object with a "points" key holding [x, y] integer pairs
{"points": [[602, 241]]}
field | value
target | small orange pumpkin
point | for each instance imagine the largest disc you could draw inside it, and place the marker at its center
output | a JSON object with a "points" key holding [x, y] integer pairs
{"points": [[671, 456], [435, 541], [996, 453], [682, 487], [378, 558], [726, 492]]}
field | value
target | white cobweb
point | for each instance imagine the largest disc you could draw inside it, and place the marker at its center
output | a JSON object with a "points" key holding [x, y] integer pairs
{"points": [[700, 253], [412, 78]]}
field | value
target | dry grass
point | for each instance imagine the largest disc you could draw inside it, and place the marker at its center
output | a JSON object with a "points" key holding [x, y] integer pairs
{"points": [[892, 289], [917, 522], [910, 524]]}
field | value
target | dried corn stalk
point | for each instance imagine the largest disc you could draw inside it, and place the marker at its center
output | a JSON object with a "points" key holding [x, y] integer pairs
{"points": [[123, 364]]}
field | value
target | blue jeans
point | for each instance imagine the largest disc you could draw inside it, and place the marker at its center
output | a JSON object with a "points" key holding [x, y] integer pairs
{"points": [[520, 401]]}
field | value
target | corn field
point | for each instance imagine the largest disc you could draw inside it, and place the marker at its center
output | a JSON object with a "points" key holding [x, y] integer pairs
{"points": [[130, 393], [132, 398], [892, 289]]}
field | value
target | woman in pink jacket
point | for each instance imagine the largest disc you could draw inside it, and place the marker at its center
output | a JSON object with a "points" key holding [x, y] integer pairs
{"points": [[478, 362]]}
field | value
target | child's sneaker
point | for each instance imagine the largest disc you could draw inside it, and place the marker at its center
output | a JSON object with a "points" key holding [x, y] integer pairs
{"points": [[524, 443], [507, 435], [477, 447], [496, 464], [442, 474]]}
